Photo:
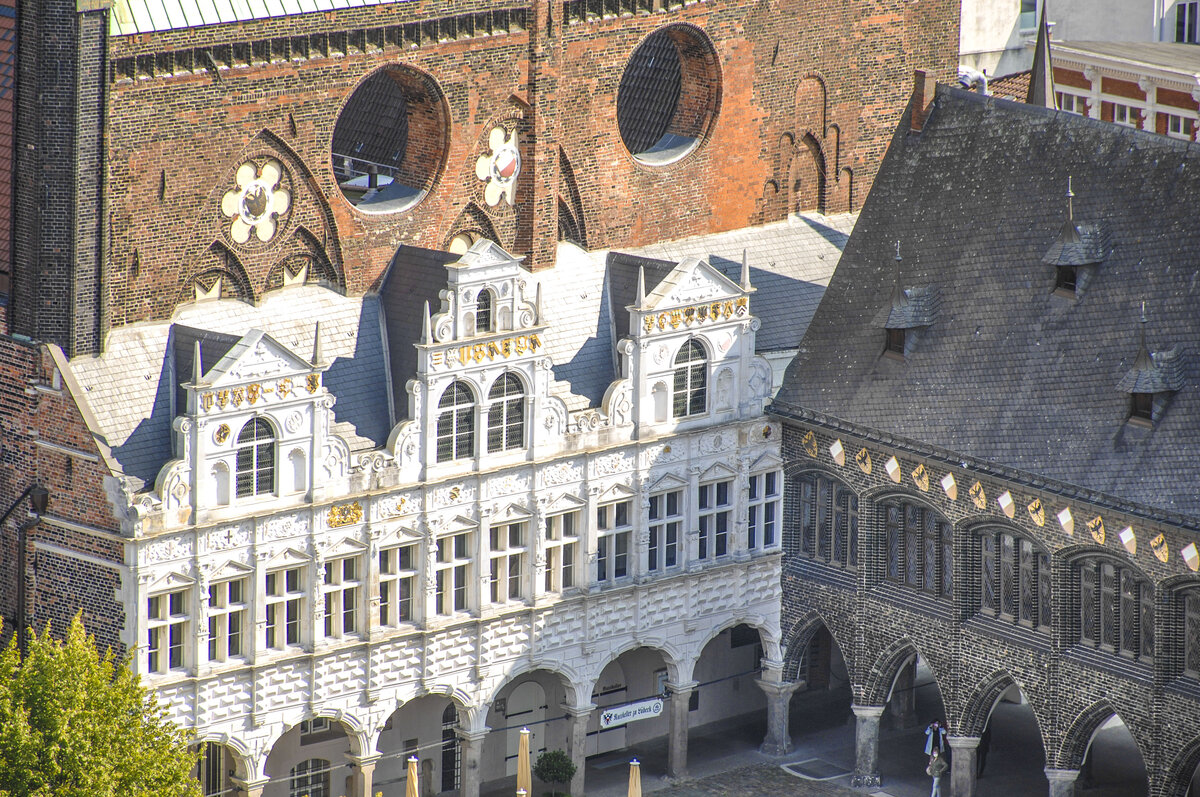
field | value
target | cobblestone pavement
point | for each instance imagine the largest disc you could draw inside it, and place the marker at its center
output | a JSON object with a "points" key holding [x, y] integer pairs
{"points": [[760, 780]]}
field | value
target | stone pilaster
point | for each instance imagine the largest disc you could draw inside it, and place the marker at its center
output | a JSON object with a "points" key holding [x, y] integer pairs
{"points": [[963, 765], [778, 741], [1062, 781], [678, 741], [470, 773], [579, 722], [866, 745]]}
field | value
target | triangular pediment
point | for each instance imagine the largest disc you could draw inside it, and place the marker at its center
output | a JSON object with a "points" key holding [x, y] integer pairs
{"points": [[288, 557], [564, 503], [767, 461], [347, 546], [256, 357], [454, 525], [399, 534], [617, 492], [172, 581], [693, 281], [668, 481], [510, 514], [231, 569], [486, 253], [717, 472]]}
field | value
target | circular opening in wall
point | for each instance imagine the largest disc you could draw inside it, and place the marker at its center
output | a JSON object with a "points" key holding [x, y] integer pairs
{"points": [[669, 95], [390, 140]]}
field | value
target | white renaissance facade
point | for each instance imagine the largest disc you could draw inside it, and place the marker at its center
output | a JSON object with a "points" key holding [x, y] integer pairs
{"points": [[317, 611]]}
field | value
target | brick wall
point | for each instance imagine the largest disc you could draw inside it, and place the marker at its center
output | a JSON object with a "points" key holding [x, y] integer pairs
{"points": [[175, 139]]}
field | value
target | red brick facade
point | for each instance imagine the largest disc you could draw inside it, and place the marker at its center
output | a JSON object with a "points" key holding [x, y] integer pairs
{"points": [[800, 118]]}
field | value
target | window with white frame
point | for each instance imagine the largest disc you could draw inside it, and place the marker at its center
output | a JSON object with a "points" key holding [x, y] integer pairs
{"points": [[762, 514], [1125, 115], [285, 602], [456, 423], [506, 414], [690, 393], [397, 584], [167, 629], [342, 589], [483, 312], [452, 573], [714, 510], [255, 459], [562, 549], [227, 611], [613, 531], [666, 523], [1071, 103], [508, 556], [1180, 127]]}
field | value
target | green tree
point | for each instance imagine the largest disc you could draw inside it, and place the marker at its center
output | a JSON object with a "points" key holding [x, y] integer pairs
{"points": [[554, 767], [75, 724]]}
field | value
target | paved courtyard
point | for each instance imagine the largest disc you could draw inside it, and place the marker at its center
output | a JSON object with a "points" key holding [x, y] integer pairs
{"points": [[762, 780]]}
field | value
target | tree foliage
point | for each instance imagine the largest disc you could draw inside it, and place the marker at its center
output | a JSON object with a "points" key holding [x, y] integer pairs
{"points": [[76, 724], [554, 766]]}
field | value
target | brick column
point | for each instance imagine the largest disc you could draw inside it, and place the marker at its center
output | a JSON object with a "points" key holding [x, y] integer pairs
{"points": [[1062, 781], [579, 721], [962, 765], [866, 745], [470, 776], [678, 741], [778, 741]]}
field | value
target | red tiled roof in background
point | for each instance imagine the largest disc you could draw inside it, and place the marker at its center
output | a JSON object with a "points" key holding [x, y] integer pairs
{"points": [[1011, 87]]}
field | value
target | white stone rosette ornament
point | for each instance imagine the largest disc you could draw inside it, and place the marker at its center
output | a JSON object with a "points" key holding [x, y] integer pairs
{"points": [[500, 168], [257, 202]]}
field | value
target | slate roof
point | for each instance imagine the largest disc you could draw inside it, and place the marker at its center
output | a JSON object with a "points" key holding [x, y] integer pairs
{"points": [[1012, 374], [146, 16], [131, 387], [1161, 55]]}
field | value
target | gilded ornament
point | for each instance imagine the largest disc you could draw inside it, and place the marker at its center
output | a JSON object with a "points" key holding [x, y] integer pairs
{"points": [[920, 477], [222, 434], [1096, 527], [206, 401], [978, 496], [222, 398], [1037, 512], [284, 387], [863, 458], [1159, 546], [345, 514], [810, 444], [237, 396], [312, 382], [252, 392]]}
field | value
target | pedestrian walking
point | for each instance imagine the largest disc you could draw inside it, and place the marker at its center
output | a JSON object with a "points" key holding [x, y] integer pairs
{"points": [[937, 767]]}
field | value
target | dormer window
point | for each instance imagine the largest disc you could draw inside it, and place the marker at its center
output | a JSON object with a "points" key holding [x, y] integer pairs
{"points": [[894, 344], [1064, 281], [1141, 408], [255, 459], [483, 311], [691, 380]]}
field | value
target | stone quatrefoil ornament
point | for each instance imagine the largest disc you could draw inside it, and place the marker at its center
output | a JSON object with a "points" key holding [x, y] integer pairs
{"points": [[500, 168], [256, 203]]}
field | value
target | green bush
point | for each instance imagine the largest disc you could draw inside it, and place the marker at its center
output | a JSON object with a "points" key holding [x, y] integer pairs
{"points": [[554, 767]]}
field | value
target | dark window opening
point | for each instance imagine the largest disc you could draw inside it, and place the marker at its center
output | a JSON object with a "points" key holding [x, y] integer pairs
{"points": [[483, 311], [1116, 610], [1015, 581], [1185, 23], [920, 548], [255, 459], [1141, 407], [894, 344], [828, 521], [1064, 281], [691, 381]]}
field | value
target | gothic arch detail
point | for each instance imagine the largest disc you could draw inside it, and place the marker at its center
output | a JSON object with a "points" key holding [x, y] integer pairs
{"points": [[216, 274]]}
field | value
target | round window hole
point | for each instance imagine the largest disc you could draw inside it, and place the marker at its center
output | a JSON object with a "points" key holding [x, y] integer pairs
{"points": [[390, 140], [669, 95]]}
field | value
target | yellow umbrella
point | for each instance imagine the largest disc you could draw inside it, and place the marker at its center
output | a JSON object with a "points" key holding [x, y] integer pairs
{"points": [[524, 774], [635, 779], [411, 790]]}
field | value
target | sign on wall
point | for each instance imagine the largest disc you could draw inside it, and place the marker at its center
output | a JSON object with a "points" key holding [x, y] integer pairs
{"points": [[631, 712]]}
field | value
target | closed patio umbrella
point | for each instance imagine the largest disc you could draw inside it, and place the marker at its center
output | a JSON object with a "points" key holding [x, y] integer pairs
{"points": [[411, 790], [524, 773], [635, 779]]}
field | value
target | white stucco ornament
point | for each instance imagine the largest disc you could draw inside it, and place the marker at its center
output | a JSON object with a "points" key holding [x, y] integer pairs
{"points": [[500, 168], [256, 203]]}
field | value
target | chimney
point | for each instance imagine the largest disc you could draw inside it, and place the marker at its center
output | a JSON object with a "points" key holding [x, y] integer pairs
{"points": [[924, 89]]}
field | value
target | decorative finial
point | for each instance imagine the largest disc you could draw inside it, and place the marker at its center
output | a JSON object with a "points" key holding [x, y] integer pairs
{"points": [[1070, 203], [318, 358], [641, 287], [745, 271], [898, 258], [1143, 311], [425, 325], [197, 365]]}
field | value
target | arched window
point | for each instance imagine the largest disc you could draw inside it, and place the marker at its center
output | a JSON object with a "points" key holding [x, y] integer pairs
{"points": [[310, 779], [920, 547], [483, 311], [1188, 602], [828, 520], [451, 749], [691, 380], [1014, 579], [1116, 609], [456, 423], [255, 459], [506, 415]]}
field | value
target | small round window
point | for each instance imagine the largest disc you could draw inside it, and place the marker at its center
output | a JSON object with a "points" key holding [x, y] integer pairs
{"points": [[669, 95], [390, 140]]}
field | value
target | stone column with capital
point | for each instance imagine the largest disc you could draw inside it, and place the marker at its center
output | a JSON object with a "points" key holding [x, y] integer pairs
{"points": [[866, 745], [964, 750], [364, 774], [470, 776], [681, 695], [778, 741], [579, 723], [1062, 781], [250, 788]]}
